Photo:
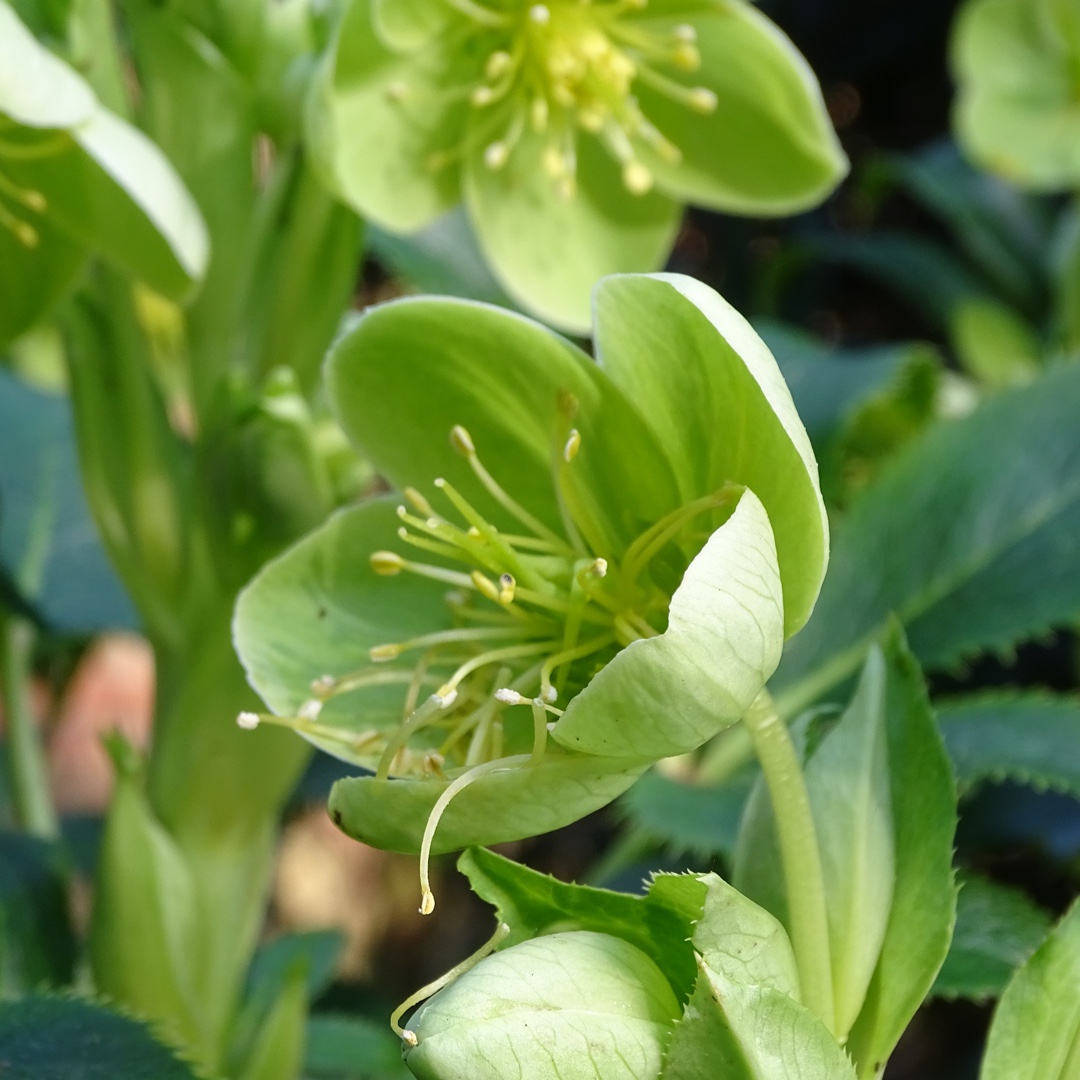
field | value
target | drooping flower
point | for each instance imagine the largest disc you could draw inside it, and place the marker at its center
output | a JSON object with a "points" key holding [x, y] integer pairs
{"points": [[1017, 66], [572, 130], [599, 572], [75, 179]]}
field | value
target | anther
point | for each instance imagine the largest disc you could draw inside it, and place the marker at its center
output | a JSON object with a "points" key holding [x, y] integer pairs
{"points": [[498, 63], [507, 586], [509, 696], [387, 563], [323, 686], [573, 445], [637, 178], [482, 95], [496, 155], [540, 14], [686, 56], [702, 100], [249, 721], [461, 441], [310, 710], [396, 91], [418, 502], [485, 586], [409, 1038], [381, 653], [686, 33], [599, 568]]}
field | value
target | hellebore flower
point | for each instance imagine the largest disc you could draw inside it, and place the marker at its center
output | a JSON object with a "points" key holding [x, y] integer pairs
{"points": [[1016, 64], [572, 130], [601, 575], [75, 179], [691, 980]]}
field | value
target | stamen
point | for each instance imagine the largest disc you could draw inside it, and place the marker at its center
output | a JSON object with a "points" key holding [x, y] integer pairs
{"points": [[392, 650], [427, 897], [540, 14], [547, 691], [478, 13], [507, 585], [511, 652], [419, 503], [540, 729], [699, 98], [420, 717], [407, 1036], [637, 178]]}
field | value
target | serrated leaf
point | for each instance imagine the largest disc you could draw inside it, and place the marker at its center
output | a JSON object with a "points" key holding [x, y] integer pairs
{"points": [[997, 929], [969, 536], [44, 1038], [37, 941], [1030, 738], [701, 820], [1035, 1034]]}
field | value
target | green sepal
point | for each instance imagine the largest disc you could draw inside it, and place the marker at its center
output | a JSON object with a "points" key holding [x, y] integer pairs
{"points": [[505, 804], [750, 1032], [1035, 1034], [769, 146], [412, 369], [548, 249], [1015, 62], [142, 931], [724, 638], [376, 143], [715, 399]]}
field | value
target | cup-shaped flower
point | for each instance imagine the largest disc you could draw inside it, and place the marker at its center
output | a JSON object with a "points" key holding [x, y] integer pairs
{"points": [[75, 178], [590, 565], [576, 1004], [572, 131], [1016, 64]]}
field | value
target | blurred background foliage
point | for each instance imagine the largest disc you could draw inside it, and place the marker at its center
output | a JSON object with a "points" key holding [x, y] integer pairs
{"points": [[923, 287]]}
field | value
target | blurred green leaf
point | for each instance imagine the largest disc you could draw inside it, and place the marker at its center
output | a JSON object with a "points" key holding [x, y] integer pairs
{"points": [[44, 1038], [994, 344], [79, 591], [1035, 1031], [352, 1048], [997, 929], [982, 556], [1032, 738], [278, 1048], [37, 940]]}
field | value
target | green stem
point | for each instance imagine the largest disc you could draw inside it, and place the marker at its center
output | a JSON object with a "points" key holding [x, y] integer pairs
{"points": [[799, 853], [34, 810]]}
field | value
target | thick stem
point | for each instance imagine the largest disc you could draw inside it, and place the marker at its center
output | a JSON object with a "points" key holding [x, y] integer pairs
{"points": [[803, 877], [33, 806]]}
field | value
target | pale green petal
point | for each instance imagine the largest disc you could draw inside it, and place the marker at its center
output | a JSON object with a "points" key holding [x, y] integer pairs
{"points": [[407, 24], [768, 147], [500, 806], [718, 403], [412, 369], [547, 250], [36, 88], [1016, 112], [669, 694], [316, 610], [377, 121]]}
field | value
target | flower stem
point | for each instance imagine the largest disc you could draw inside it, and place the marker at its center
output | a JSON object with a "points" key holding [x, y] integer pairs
{"points": [[34, 810], [803, 876]]}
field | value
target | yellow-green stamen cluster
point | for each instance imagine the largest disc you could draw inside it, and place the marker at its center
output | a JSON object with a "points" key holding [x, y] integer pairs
{"points": [[533, 613], [19, 206], [567, 66]]}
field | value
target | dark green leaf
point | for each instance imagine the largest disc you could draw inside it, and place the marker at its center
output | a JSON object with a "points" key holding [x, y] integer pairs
{"points": [[997, 929], [352, 1048], [969, 536], [37, 941], [41, 488], [43, 1038], [1030, 738]]}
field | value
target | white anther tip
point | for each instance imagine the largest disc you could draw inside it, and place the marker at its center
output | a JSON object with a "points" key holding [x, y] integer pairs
{"points": [[599, 568], [637, 178], [496, 155], [409, 1038], [551, 694], [445, 697], [510, 697], [540, 14], [310, 710], [249, 721], [427, 903]]}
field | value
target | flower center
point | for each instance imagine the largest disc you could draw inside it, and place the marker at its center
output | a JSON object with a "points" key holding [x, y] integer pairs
{"points": [[20, 205], [567, 66]]}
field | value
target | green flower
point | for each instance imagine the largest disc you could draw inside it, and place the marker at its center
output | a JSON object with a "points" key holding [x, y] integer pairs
{"points": [[601, 575], [75, 179], [572, 130], [691, 980], [1017, 65]]}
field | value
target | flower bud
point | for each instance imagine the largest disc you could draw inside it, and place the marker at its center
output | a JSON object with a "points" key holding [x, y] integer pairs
{"points": [[577, 1005]]}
